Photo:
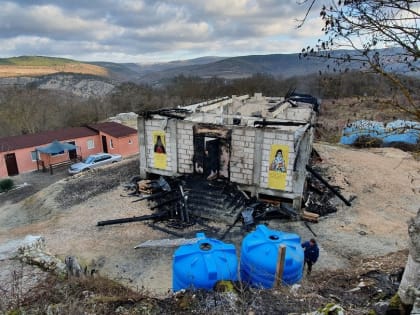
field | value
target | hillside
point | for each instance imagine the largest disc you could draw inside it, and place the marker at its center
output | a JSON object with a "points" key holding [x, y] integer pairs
{"points": [[284, 65], [362, 247], [38, 66]]}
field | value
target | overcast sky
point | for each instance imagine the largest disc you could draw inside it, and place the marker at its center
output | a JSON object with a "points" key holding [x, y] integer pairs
{"points": [[153, 31]]}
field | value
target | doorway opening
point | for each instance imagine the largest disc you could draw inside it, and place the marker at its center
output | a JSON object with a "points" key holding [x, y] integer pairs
{"points": [[11, 164], [72, 153], [104, 144], [212, 152]]}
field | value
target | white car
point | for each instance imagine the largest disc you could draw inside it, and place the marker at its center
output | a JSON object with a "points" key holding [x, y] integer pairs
{"points": [[93, 161]]}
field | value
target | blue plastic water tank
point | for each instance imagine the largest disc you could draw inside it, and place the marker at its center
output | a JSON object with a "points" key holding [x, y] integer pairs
{"points": [[202, 264], [259, 254]]}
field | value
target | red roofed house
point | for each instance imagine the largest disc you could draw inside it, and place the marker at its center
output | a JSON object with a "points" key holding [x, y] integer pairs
{"points": [[18, 154]]}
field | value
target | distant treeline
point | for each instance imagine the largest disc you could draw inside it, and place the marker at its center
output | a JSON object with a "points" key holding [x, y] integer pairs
{"points": [[30, 110]]}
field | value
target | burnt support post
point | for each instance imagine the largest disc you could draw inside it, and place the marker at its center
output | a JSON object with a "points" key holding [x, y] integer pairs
{"points": [[172, 130], [141, 129], [280, 266], [259, 139]]}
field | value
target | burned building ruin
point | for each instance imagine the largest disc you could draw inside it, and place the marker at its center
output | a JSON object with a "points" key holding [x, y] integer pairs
{"points": [[262, 144]]}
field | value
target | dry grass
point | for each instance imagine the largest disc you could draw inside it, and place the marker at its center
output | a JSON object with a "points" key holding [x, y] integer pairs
{"points": [[92, 295], [80, 68]]}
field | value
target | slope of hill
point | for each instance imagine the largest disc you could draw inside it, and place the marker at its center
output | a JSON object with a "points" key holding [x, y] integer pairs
{"points": [[282, 65], [285, 65], [82, 85], [39, 65]]}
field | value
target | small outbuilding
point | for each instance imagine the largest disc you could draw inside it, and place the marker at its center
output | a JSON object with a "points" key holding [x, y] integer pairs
{"points": [[30, 152]]}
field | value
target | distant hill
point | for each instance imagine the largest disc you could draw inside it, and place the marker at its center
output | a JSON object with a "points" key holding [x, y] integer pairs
{"points": [[31, 66], [140, 72], [285, 65], [279, 65]]}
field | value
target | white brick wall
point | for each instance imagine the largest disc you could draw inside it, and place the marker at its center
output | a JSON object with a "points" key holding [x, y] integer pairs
{"points": [[242, 155], [185, 147], [242, 151]]}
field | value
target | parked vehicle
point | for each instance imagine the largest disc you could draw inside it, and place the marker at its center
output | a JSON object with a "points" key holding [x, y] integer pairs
{"points": [[93, 161]]}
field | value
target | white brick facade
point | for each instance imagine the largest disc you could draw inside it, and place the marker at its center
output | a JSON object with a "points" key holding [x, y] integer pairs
{"points": [[250, 146]]}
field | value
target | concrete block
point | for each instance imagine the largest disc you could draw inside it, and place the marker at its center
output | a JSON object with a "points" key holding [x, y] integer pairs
{"points": [[238, 132], [267, 141], [281, 136], [238, 154], [250, 132], [246, 171], [156, 123], [235, 169], [249, 150]]}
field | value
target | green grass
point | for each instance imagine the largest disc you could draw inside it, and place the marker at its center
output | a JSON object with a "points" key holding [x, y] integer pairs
{"points": [[35, 61]]}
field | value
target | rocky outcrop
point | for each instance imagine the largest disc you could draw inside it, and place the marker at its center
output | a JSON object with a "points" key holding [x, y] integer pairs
{"points": [[34, 253], [81, 85]]}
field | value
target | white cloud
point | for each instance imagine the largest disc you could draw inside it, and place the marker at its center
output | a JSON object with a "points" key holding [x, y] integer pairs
{"points": [[135, 29]]}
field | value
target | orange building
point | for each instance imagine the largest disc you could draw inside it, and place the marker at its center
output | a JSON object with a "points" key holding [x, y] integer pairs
{"points": [[18, 154]]}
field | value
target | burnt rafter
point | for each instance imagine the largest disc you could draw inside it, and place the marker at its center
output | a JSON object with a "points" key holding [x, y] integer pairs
{"points": [[211, 130], [292, 97], [262, 123], [177, 113]]}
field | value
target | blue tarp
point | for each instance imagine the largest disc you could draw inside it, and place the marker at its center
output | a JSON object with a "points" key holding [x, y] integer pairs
{"points": [[398, 131], [56, 147]]}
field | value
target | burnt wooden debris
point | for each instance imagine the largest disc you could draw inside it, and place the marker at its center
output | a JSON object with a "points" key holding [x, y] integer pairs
{"points": [[185, 201], [333, 189]]}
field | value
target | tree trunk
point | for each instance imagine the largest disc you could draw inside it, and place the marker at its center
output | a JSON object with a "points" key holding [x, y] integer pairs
{"points": [[409, 286]]}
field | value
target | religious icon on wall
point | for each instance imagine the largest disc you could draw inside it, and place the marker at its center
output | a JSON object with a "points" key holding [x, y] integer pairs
{"points": [[277, 170], [159, 149], [277, 164]]}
